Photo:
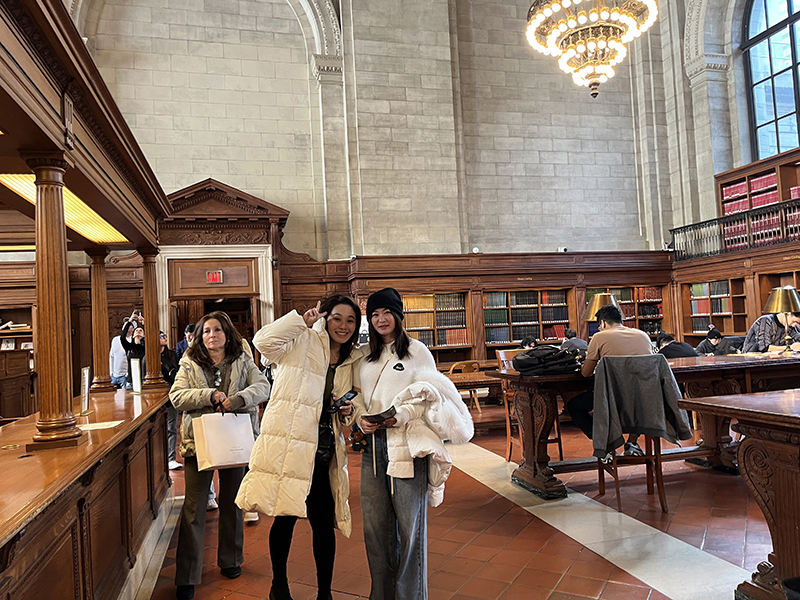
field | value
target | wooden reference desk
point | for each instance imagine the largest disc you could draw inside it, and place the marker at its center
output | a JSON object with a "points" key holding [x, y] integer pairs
{"points": [[536, 409], [769, 461], [72, 519]]}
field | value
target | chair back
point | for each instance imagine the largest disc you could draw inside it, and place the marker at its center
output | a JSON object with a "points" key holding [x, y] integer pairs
{"points": [[505, 358], [465, 366], [637, 394]]}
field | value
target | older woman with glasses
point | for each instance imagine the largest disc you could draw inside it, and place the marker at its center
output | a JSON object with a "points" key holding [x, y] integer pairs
{"points": [[215, 374]]}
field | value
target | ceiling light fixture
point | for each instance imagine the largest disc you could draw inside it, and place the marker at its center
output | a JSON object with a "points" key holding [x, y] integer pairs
{"points": [[78, 216], [588, 37]]}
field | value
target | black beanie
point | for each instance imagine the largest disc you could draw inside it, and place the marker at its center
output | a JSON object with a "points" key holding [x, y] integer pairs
{"points": [[714, 334], [385, 298]]}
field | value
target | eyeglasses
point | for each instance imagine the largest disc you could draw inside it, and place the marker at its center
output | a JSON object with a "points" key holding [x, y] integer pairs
{"points": [[163, 335], [217, 377]]}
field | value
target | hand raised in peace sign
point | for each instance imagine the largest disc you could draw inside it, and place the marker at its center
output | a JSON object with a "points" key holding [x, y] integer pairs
{"points": [[312, 315]]}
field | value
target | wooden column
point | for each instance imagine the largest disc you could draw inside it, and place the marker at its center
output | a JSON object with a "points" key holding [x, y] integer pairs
{"points": [[57, 423], [152, 347], [275, 235], [100, 339]]}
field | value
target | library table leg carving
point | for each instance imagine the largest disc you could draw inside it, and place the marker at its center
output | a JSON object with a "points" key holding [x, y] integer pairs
{"points": [[535, 413], [769, 460], [716, 429]]}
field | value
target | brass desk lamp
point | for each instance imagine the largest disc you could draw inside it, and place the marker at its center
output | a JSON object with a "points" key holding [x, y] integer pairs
{"points": [[783, 300], [596, 303]]}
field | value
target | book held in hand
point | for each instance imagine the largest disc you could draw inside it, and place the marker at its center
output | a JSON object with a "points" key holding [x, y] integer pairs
{"points": [[381, 417]]}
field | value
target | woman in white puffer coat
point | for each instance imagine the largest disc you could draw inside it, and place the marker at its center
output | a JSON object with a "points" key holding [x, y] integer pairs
{"points": [[298, 467], [405, 465]]}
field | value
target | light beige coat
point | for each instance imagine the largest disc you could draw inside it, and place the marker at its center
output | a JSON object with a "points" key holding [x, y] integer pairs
{"points": [[282, 463], [191, 394]]}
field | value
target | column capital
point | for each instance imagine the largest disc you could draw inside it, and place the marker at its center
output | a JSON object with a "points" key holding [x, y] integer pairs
{"points": [[97, 254], [148, 254], [327, 68], [45, 159]]}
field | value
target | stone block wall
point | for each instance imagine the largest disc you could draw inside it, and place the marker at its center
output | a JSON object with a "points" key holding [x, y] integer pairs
{"points": [[215, 88]]}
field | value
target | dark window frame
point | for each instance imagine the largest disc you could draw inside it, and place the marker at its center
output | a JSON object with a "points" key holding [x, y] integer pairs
{"points": [[748, 45]]}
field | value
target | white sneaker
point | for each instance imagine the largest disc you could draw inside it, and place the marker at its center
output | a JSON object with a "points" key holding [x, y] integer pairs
{"points": [[250, 517], [174, 465], [212, 504]]}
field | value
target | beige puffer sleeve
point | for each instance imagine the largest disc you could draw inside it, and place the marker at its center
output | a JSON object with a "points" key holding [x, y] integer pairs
{"points": [[277, 339]]}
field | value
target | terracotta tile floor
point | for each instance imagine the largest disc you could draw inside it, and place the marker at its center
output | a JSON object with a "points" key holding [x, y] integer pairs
{"points": [[484, 546]]}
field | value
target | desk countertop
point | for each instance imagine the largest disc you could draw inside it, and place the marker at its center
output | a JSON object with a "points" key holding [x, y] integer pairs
{"points": [[778, 407], [33, 480]]}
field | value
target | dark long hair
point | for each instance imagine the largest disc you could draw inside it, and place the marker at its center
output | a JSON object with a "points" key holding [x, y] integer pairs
{"points": [[401, 342], [327, 306], [233, 340]]}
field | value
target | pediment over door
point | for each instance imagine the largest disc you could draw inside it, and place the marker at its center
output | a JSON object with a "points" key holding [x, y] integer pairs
{"points": [[213, 213]]}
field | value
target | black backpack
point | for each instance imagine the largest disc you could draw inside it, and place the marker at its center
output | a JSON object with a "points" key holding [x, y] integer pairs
{"points": [[547, 360]]}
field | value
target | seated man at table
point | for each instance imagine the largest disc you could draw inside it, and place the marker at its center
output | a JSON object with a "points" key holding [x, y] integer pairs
{"points": [[573, 342], [671, 348], [613, 339], [715, 344], [770, 330]]}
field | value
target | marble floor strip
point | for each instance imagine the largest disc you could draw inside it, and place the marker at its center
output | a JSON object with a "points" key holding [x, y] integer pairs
{"points": [[671, 566]]}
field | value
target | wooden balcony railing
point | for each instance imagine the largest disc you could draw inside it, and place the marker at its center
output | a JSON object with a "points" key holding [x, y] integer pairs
{"points": [[756, 228]]}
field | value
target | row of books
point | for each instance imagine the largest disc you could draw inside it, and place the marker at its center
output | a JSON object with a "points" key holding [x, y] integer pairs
{"points": [[765, 223], [552, 314], [450, 301], [498, 335], [734, 231], [649, 294], [529, 298], [419, 320], [763, 182], [621, 294], [495, 299], [650, 327], [426, 337], [456, 318], [735, 206], [765, 199], [452, 337], [419, 302], [555, 332], [700, 324], [554, 297], [651, 311], [628, 311], [794, 193], [713, 288], [734, 189], [495, 316], [711, 306], [524, 315]]}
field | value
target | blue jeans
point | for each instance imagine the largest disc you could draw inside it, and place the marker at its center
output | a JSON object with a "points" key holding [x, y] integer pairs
{"points": [[395, 513], [118, 382]]}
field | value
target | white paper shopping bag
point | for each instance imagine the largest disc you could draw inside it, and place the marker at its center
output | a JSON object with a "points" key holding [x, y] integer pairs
{"points": [[222, 440]]}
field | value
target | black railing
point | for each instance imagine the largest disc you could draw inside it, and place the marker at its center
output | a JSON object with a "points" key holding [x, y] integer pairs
{"points": [[756, 228]]}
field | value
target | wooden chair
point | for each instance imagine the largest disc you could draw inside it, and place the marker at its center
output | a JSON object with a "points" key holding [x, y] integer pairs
{"points": [[504, 362], [470, 366], [652, 458]]}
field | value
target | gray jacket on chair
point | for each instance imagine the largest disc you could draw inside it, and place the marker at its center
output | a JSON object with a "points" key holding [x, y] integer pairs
{"points": [[636, 394]]}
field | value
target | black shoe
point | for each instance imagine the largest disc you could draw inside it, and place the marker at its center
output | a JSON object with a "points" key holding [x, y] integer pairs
{"points": [[279, 592], [185, 592], [231, 572]]}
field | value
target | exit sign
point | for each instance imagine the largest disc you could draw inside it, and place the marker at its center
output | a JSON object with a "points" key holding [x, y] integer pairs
{"points": [[213, 276]]}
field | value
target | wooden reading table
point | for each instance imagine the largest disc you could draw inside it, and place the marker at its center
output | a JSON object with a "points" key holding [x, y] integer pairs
{"points": [[536, 408], [73, 519], [769, 461]]}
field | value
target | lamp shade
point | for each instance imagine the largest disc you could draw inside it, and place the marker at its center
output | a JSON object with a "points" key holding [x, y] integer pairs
{"points": [[596, 303], [782, 300]]}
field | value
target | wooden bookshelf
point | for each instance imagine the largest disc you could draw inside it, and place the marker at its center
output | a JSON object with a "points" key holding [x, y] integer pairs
{"points": [[440, 322], [511, 316], [767, 281], [720, 303], [642, 307], [17, 337], [769, 181]]}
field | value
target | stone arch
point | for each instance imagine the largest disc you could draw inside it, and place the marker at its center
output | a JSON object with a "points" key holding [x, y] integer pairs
{"points": [[319, 20]]}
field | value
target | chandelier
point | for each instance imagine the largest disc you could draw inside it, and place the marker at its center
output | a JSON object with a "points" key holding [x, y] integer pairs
{"points": [[588, 37]]}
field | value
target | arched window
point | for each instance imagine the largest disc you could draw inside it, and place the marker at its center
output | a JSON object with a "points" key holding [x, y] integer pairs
{"points": [[772, 54]]}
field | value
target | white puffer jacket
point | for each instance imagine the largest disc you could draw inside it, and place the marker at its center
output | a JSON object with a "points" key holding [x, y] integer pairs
{"points": [[429, 410], [282, 462]]}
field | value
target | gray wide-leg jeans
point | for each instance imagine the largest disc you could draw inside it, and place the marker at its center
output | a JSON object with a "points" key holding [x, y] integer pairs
{"points": [[395, 515], [230, 541]]}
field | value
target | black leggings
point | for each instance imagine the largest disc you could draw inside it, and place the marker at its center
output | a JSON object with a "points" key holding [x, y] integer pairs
{"points": [[320, 508]]}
